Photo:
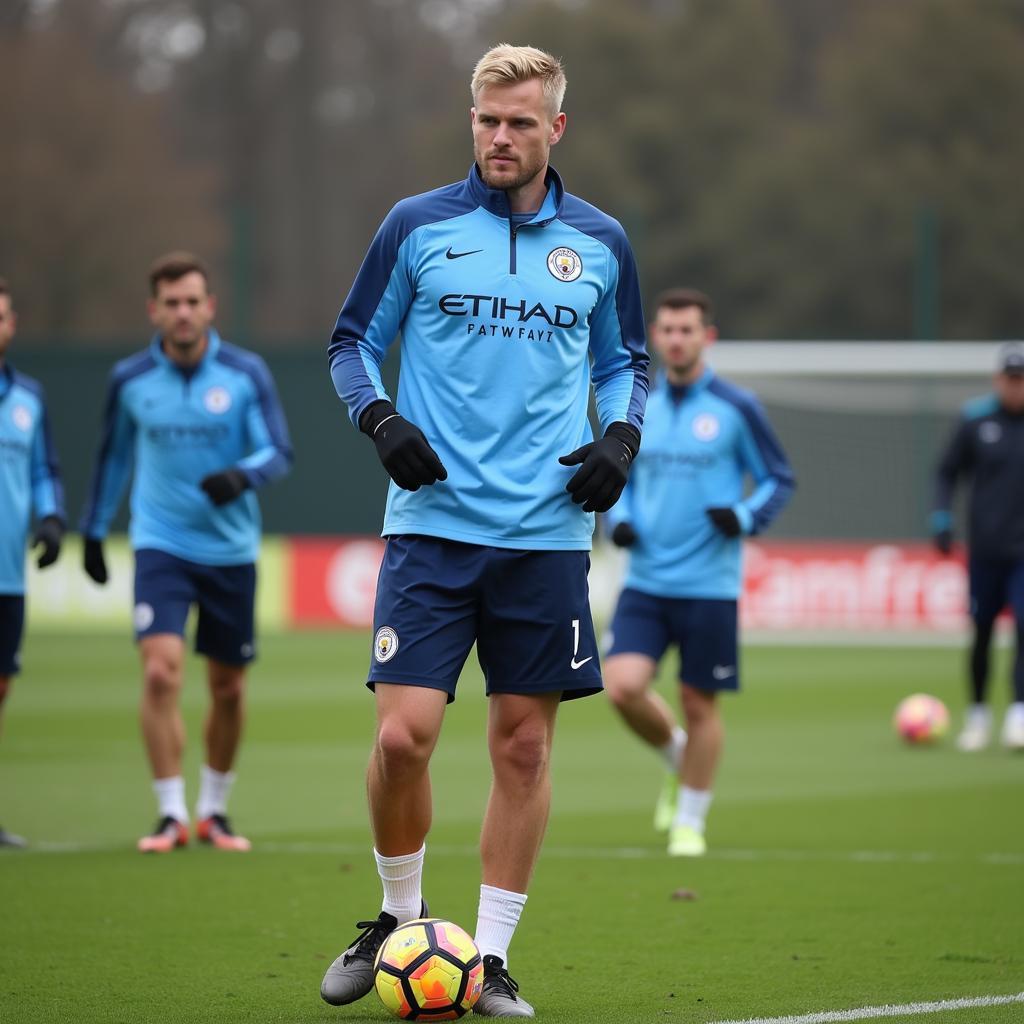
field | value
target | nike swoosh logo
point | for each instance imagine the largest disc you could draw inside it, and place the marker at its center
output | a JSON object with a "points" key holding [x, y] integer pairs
{"points": [[723, 671], [574, 664], [458, 255]]}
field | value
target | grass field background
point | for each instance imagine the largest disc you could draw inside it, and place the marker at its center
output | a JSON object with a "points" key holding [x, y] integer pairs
{"points": [[845, 869]]}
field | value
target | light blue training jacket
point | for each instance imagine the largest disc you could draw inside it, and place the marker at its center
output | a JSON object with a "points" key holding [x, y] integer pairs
{"points": [[504, 326], [697, 454], [179, 425], [29, 474]]}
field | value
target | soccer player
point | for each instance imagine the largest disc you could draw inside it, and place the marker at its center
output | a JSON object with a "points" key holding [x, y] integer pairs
{"points": [[987, 445], [683, 517], [511, 295], [201, 421], [29, 480]]}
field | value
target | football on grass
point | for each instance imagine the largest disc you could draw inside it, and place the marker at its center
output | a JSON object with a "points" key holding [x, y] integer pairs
{"points": [[921, 718], [428, 969]]}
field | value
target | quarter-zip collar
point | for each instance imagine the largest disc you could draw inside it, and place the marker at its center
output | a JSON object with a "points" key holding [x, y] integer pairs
{"points": [[213, 344], [687, 390], [495, 200]]}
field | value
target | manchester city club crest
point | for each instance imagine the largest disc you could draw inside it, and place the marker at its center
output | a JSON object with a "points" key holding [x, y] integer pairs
{"points": [[22, 418], [385, 644], [706, 427], [565, 264], [217, 400]]}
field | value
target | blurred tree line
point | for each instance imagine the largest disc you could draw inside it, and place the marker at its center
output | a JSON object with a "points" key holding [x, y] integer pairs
{"points": [[819, 168]]}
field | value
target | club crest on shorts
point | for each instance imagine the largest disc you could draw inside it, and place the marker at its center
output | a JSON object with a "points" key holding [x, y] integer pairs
{"points": [[217, 400], [706, 427], [385, 644], [143, 616], [22, 418], [565, 264]]}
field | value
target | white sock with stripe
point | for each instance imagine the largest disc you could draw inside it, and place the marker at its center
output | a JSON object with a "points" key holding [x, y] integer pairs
{"points": [[497, 919], [402, 879]]}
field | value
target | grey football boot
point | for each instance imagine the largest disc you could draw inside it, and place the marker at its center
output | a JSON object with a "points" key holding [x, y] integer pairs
{"points": [[350, 977], [500, 996]]}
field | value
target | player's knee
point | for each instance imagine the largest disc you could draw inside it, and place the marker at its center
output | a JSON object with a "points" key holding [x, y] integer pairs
{"points": [[623, 689], [401, 748], [699, 707], [161, 677], [524, 751], [227, 690]]}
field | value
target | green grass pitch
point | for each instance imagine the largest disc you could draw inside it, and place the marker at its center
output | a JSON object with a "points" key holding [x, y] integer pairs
{"points": [[846, 870]]}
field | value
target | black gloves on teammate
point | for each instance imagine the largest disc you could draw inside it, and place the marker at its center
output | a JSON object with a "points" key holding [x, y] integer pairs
{"points": [[623, 536], [604, 466], [93, 560], [402, 447], [725, 520], [224, 486], [943, 541], [49, 533]]}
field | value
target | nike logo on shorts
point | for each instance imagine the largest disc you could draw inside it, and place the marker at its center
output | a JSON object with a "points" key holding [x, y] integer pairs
{"points": [[458, 255], [723, 671], [574, 664]]}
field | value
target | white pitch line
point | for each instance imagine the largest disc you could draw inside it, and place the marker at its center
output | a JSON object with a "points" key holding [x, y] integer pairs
{"points": [[872, 1012], [997, 859]]}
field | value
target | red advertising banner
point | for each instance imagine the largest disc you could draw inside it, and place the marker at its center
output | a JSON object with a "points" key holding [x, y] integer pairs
{"points": [[852, 586], [332, 580]]}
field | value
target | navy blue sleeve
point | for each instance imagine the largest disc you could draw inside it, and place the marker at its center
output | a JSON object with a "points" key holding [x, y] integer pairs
{"points": [[957, 459], [113, 462], [766, 462]]}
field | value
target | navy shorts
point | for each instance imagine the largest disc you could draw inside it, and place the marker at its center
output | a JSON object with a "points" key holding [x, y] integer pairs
{"points": [[167, 586], [993, 586], [704, 629], [527, 611], [12, 622]]}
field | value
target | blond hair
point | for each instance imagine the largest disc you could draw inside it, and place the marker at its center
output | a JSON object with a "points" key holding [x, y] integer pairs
{"points": [[506, 64]]}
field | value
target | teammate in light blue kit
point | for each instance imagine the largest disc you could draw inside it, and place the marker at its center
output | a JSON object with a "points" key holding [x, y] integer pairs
{"points": [[511, 297], [201, 421], [29, 482], [682, 516]]}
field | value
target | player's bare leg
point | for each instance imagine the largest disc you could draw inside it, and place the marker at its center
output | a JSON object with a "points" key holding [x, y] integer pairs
{"points": [[7, 838], [398, 779], [519, 735], [223, 733], [163, 731], [705, 738], [627, 681], [398, 788]]}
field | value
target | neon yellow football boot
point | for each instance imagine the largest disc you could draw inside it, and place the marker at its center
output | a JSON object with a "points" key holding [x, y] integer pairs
{"points": [[685, 841]]}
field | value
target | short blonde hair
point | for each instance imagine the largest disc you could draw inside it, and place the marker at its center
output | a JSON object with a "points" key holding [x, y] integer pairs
{"points": [[506, 64]]}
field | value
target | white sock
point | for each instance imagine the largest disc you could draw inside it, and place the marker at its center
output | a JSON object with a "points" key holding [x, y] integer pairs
{"points": [[402, 879], [170, 797], [1015, 711], [692, 808], [497, 919], [214, 790], [979, 714], [673, 750]]}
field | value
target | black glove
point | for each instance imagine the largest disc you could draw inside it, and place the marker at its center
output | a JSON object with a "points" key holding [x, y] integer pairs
{"points": [[726, 521], [224, 486], [943, 541], [49, 533], [604, 466], [623, 536], [94, 562], [402, 447]]}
